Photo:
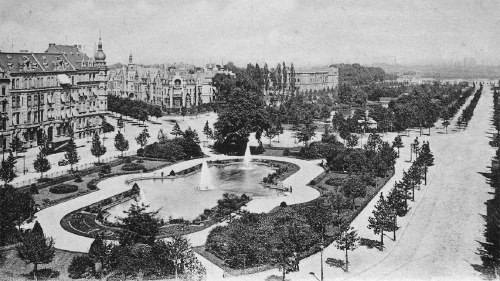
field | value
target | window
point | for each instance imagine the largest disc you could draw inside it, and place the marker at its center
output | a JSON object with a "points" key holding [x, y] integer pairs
{"points": [[29, 117], [3, 91]]}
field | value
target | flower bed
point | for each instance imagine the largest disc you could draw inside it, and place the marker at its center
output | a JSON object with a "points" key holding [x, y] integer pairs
{"points": [[132, 167], [63, 189]]}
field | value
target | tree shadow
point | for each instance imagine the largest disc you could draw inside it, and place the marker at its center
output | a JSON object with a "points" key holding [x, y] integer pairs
{"points": [[370, 244], [336, 263], [43, 274], [275, 278]]}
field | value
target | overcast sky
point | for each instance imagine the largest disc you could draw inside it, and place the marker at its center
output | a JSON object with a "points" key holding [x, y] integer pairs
{"points": [[305, 32]]}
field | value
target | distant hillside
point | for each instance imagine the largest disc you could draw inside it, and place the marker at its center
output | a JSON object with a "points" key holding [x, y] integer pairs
{"points": [[446, 72]]}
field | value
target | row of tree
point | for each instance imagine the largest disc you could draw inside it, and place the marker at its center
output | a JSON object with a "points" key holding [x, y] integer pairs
{"points": [[489, 250], [468, 111], [136, 109], [395, 204]]}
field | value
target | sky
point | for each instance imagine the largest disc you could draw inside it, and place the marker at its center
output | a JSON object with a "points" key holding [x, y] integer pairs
{"points": [[307, 32]]}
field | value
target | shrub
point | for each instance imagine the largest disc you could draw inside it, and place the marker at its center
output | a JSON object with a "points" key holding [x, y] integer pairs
{"points": [[33, 188], [140, 151], [92, 186], [283, 204], [81, 267], [105, 169], [286, 152], [132, 167], [128, 160], [46, 180], [78, 178], [145, 170], [63, 188], [334, 181], [139, 161], [172, 173]]}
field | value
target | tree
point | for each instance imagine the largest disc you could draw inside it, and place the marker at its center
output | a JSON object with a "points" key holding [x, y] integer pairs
{"points": [[398, 143], [354, 188], [395, 201], [381, 220], [306, 133], [179, 247], [191, 135], [97, 148], [16, 144], [41, 164], [352, 141], [207, 131], [176, 131], [284, 72], [347, 240], [71, 154], [99, 250], [121, 144], [36, 249], [120, 123], [426, 158], [142, 138], [139, 225], [183, 112], [8, 169], [415, 147]]}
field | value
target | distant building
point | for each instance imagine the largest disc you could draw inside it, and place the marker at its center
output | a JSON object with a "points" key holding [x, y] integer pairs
{"points": [[307, 79], [44, 95], [169, 87]]}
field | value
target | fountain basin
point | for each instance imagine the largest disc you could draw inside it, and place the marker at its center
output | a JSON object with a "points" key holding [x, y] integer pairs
{"points": [[181, 198]]}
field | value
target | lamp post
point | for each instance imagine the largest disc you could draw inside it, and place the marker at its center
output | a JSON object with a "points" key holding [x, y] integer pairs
{"points": [[24, 164]]}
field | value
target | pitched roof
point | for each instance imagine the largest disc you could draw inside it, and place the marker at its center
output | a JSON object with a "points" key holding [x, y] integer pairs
{"points": [[74, 55]]}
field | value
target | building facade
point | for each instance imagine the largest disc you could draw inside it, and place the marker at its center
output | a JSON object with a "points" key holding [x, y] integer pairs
{"points": [[172, 87], [311, 79], [46, 95]]}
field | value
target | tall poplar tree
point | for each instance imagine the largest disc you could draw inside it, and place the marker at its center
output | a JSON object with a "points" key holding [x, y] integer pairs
{"points": [[279, 78], [71, 153], [284, 77]]}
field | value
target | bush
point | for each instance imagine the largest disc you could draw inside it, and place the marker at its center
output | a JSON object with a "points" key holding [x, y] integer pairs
{"points": [[286, 152], [145, 170], [128, 160], [46, 180], [33, 188], [139, 161], [92, 186], [172, 173], [140, 151], [105, 169], [283, 204], [334, 181], [132, 167], [81, 267], [63, 188], [78, 178]]}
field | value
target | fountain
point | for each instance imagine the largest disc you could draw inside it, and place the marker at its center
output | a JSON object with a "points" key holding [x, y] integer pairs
{"points": [[142, 197], [205, 178], [247, 159]]}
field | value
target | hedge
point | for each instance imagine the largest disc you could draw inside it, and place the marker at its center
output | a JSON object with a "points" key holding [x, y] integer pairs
{"points": [[63, 188]]}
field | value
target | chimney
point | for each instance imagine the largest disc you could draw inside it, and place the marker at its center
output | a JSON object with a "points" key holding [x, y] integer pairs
{"points": [[52, 44]]}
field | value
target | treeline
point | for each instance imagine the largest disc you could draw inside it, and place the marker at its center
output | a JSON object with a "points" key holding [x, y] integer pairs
{"points": [[355, 74], [490, 248], [395, 204], [136, 109], [468, 112]]}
